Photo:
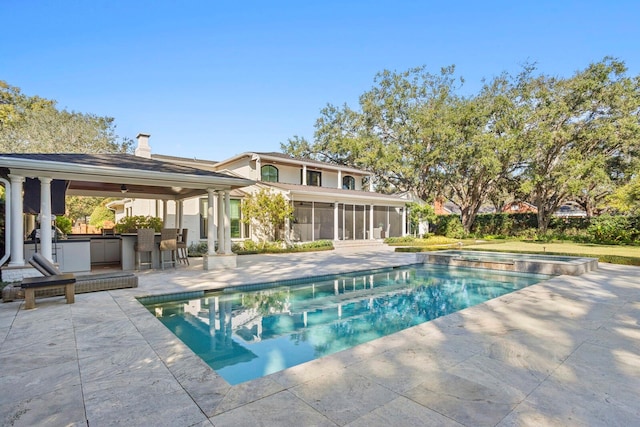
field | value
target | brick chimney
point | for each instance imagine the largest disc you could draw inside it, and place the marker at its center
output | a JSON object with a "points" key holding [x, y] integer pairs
{"points": [[438, 206], [143, 149]]}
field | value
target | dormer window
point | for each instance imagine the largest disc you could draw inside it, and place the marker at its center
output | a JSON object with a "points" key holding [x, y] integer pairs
{"points": [[348, 183], [269, 173]]}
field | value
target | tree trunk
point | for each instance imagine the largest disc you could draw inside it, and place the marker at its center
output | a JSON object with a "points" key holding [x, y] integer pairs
{"points": [[543, 220]]}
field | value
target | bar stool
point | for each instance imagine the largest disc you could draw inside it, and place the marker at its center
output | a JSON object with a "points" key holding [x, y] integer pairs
{"points": [[183, 253], [144, 244], [168, 243]]}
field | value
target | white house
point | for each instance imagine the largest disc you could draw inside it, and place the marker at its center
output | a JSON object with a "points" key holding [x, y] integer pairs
{"points": [[330, 201]]}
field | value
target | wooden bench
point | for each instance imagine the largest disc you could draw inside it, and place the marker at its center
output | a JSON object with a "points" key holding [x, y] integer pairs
{"points": [[31, 284]]}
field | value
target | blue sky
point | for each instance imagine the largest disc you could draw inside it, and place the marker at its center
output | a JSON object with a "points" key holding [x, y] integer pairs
{"points": [[211, 79]]}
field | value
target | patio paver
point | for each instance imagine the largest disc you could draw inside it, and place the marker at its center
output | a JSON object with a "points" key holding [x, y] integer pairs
{"points": [[561, 352]]}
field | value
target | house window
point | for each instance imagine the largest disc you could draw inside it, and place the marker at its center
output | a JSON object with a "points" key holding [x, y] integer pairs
{"points": [[313, 178], [269, 173], [348, 183], [236, 223], [204, 220], [238, 229]]}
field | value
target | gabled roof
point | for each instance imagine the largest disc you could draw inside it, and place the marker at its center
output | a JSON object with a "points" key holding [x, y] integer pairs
{"points": [[104, 174], [186, 161], [357, 196], [120, 161], [273, 157]]}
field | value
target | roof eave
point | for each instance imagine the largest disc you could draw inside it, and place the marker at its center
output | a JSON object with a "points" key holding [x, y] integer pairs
{"points": [[61, 170]]}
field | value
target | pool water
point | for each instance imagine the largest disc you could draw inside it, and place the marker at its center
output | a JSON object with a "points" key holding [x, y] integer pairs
{"points": [[251, 331]]}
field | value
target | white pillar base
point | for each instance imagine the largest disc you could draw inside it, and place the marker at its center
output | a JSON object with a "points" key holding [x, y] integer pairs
{"points": [[214, 262]]}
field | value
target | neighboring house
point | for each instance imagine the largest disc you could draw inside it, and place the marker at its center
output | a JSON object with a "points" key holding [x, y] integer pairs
{"points": [[330, 201], [570, 209], [519, 207]]}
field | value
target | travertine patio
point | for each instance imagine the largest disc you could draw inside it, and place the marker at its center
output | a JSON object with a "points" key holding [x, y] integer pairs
{"points": [[562, 352]]}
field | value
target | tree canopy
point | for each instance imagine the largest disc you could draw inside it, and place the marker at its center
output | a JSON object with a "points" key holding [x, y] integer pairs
{"points": [[582, 135], [31, 124], [543, 139]]}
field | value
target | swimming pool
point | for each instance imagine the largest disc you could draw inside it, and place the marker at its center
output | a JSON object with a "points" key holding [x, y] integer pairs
{"points": [[250, 331]]}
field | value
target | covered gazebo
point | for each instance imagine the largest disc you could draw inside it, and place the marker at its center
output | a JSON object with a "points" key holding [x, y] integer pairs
{"points": [[109, 175]]}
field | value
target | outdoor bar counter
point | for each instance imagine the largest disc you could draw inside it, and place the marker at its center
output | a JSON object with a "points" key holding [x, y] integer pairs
{"points": [[79, 252], [128, 259], [71, 255]]}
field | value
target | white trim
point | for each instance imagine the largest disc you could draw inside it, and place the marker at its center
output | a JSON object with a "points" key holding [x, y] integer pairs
{"points": [[17, 227], [291, 161], [7, 221], [110, 174], [45, 218]]}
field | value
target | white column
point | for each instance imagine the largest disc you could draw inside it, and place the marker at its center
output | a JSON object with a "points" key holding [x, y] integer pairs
{"points": [[164, 213], [45, 218], [313, 221], [258, 169], [404, 221], [227, 222], [335, 221], [353, 223], [371, 222], [17, 228], [371, 183], [179, 213], [364, 221], [339, 179], [220, 222], [211, 241], [304, 174], [7, 220]]}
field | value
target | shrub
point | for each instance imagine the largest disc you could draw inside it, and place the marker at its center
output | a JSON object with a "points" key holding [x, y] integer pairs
{"points": [[318, 244], [400, 240], [64, 224], [250, 247], [450, 226], [412, 241], [505, 224], [131, 224], [609, 229], [198, 249]]}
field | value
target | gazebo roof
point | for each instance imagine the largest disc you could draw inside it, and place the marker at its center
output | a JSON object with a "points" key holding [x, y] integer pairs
{"points": [[105, 174]]}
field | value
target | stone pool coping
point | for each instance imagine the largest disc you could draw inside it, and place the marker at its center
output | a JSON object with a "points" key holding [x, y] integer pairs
{"points": [[522, 263], [561, 352]]}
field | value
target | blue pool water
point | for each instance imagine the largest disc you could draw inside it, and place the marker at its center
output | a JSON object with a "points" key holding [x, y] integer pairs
{"points": [[248, 332]]}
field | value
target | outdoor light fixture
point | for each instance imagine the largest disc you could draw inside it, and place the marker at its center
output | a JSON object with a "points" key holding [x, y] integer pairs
{"points": [[123, 189]]}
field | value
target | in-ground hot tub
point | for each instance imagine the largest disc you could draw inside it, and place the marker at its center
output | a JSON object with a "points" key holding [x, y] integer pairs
{"points": [[525, 263]]}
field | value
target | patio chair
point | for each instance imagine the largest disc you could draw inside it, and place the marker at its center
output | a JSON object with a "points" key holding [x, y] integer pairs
{"points": [[87, 282], [144, 244], [168, 243], [83, 283], [183, 252]]}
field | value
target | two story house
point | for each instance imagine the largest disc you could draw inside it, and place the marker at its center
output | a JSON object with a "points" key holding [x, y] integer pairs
{"points": [[330, 201]]}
